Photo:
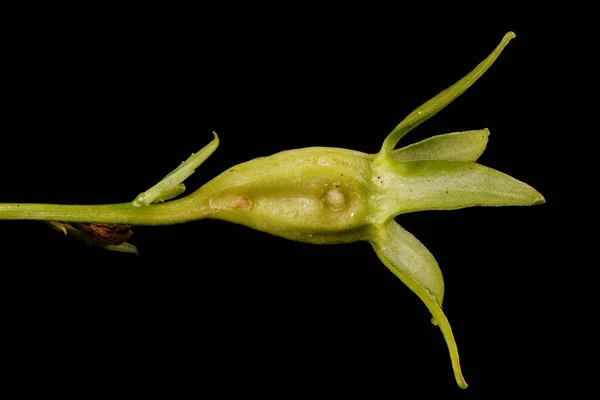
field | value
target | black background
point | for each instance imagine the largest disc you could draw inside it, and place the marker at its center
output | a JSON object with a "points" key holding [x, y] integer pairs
{"points": [[99, 106]]}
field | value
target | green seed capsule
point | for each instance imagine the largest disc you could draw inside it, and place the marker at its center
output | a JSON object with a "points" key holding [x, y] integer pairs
{"points": [[315, 195]]}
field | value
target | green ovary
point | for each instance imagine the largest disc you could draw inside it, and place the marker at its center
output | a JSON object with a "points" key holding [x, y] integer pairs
{"points": [[318, 208], [317, 195]]}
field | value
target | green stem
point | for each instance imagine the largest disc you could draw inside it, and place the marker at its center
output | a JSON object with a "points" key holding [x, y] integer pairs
{"points": [[146, 209], [172, 212]]}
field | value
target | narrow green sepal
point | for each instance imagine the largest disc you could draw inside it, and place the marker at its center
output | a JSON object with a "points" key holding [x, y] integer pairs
{"points": [[414, 265], [448, 185], [457, 146], [437, 103], [408, 255]]}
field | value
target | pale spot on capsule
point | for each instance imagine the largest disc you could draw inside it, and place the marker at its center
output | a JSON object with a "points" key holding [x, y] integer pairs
{"points": [[335, 199], [325, 161]]}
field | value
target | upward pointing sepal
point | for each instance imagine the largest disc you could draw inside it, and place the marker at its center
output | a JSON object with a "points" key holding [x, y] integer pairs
{"points": [[457, 146], [442, 99]]}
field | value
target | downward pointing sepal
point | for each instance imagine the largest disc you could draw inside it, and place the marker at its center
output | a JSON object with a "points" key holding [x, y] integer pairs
{"points": [[416, 267]]}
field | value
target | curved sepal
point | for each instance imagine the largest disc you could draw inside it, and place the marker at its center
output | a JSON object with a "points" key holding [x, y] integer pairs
{"points": [[457, 146], [414, 265], [437, 103], [409, 256]]}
